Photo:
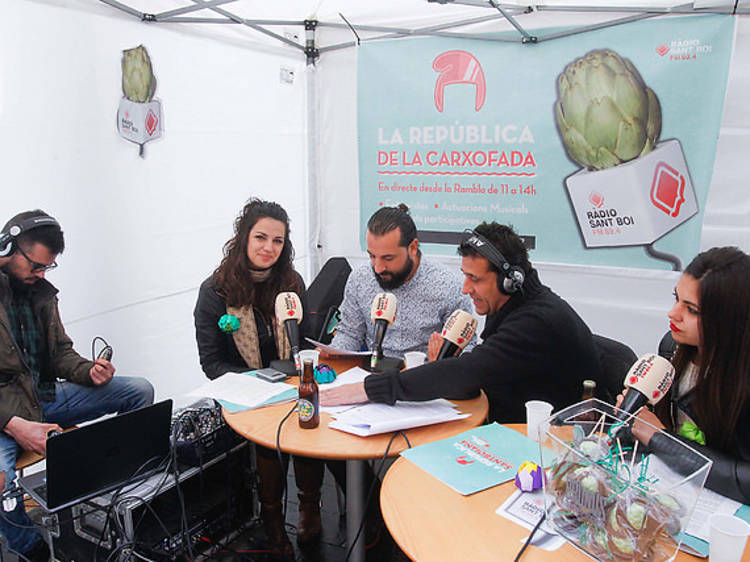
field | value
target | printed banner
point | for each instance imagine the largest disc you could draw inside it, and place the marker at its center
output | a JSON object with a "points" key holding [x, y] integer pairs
{"points": [[598, 148]]}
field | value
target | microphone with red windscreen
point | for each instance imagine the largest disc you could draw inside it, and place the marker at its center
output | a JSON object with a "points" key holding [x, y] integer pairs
{"points": [[289, 313], [648, 380], [383, 313], [457, 332]]}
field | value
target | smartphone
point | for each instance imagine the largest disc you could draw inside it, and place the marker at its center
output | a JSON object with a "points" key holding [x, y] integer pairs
{"points": [[270, 375]]}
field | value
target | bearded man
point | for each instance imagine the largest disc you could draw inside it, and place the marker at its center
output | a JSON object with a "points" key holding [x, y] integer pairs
{"points": [[427, 292]]}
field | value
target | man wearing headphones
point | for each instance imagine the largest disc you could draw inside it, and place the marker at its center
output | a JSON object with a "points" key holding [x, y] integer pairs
{"points": [[534, 345], [35, 352]]}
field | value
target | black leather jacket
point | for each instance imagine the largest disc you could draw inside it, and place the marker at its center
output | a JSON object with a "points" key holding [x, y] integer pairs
{"points": [[730, 473]]}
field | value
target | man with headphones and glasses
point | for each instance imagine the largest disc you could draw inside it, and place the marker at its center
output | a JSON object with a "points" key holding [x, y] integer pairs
{"points": [[35, 352], [534, 345]]}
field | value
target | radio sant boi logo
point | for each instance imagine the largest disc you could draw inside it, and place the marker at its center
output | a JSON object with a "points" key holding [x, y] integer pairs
{"points": [[644, 181], [667, 194]]}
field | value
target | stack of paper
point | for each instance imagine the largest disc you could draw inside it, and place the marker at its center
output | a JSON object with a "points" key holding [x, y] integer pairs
{"points": [[371, 419], [244, 391]]}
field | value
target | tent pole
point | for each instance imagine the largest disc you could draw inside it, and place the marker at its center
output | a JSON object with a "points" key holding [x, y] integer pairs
{"points": [[124, 8], [526, 37], [593, 27], [434, 30], [313, 159], [249, 24], [190, 9]]}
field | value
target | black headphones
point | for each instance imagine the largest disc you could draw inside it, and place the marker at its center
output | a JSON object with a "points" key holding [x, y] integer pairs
{"points": [[511, 277], [8, 238]]}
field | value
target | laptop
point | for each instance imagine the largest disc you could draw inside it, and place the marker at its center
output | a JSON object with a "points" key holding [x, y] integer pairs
{"points": [[96, 458]]}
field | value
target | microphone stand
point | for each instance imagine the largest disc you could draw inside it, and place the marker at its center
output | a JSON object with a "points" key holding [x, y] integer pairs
{"points": [[380, 363]]}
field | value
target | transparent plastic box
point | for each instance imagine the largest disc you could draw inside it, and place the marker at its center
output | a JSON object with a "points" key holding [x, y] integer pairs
{"points": [[612, 498]]}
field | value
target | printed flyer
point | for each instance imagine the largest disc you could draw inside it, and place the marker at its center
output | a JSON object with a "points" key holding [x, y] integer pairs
{"points": [[476, 459]]}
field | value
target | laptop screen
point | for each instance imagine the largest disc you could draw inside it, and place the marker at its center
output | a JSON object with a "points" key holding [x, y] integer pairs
{"points": [[98, 457]]}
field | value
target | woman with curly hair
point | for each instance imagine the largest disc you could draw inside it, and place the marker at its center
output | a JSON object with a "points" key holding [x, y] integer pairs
{"points": [[257, 266]]}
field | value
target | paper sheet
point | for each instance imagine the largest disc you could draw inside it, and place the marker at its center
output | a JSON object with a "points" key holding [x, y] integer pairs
{"points": [[353, 375], [708, 503], [336, 352], [372, 419], [525, 509], [242, 389]]}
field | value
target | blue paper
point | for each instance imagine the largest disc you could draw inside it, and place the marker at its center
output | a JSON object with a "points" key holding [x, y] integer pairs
{"points": [[743, 512], [476, 459]]}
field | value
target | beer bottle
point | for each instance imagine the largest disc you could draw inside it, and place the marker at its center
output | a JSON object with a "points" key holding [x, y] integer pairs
{"points": [[589, 388], [308, 406]]}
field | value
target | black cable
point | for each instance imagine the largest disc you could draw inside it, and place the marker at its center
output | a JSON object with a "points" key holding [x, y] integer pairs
{"points": [[170, 463], [20, 556], [408, 443], [346, 21], [659, 255], [372, 489], [531, 535], [8, 494], [119, 549], [284, 493], [183, 516], [93, 346], [115, 499]]}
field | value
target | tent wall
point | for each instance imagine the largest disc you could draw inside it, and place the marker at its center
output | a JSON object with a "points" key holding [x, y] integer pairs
{"points": [[141, 234], [626, 304]]}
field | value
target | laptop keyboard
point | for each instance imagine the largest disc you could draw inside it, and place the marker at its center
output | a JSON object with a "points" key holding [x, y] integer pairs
{"points": [[41, 491]]}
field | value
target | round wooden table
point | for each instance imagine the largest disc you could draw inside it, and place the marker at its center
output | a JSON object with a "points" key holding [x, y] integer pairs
{"points": [[261, 425], [432, 522]]}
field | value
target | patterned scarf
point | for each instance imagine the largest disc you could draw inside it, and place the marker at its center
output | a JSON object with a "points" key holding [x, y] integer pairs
{"points": [[246, 337]]}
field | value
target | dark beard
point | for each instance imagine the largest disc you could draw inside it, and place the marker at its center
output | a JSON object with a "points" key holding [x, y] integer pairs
{"points": [[396, 279]]}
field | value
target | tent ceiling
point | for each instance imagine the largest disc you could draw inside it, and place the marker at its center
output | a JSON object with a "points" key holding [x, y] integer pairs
{"points": [[393, 18]]}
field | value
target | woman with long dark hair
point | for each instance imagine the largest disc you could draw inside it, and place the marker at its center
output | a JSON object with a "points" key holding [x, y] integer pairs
{"points": [[257, 266], [709, 403]]}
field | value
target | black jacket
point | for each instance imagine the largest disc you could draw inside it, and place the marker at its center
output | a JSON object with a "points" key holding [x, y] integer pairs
{"points": [[730, 473], [216, 349], [534, 348]]}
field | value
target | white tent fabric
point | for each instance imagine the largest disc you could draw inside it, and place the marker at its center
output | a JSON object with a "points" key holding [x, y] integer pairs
{"points": [[143, 233]]}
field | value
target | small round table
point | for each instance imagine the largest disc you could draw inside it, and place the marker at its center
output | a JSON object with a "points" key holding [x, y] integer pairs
{"points": [[261, 425], [432, 522]]}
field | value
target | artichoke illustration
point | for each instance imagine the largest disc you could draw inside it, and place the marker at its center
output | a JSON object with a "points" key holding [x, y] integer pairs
{"points": [[605, 113], [138, 80]]}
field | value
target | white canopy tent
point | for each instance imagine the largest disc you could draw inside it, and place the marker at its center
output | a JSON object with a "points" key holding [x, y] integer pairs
{"points": [[246, 114]]}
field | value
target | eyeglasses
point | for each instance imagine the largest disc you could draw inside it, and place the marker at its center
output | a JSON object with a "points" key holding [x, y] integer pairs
{"points": [[36, 267]]}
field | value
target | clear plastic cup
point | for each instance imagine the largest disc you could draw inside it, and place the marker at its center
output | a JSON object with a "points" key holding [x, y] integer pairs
{"points": [[312, 354], [537, 412], [414, 359], [728, 536]]}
